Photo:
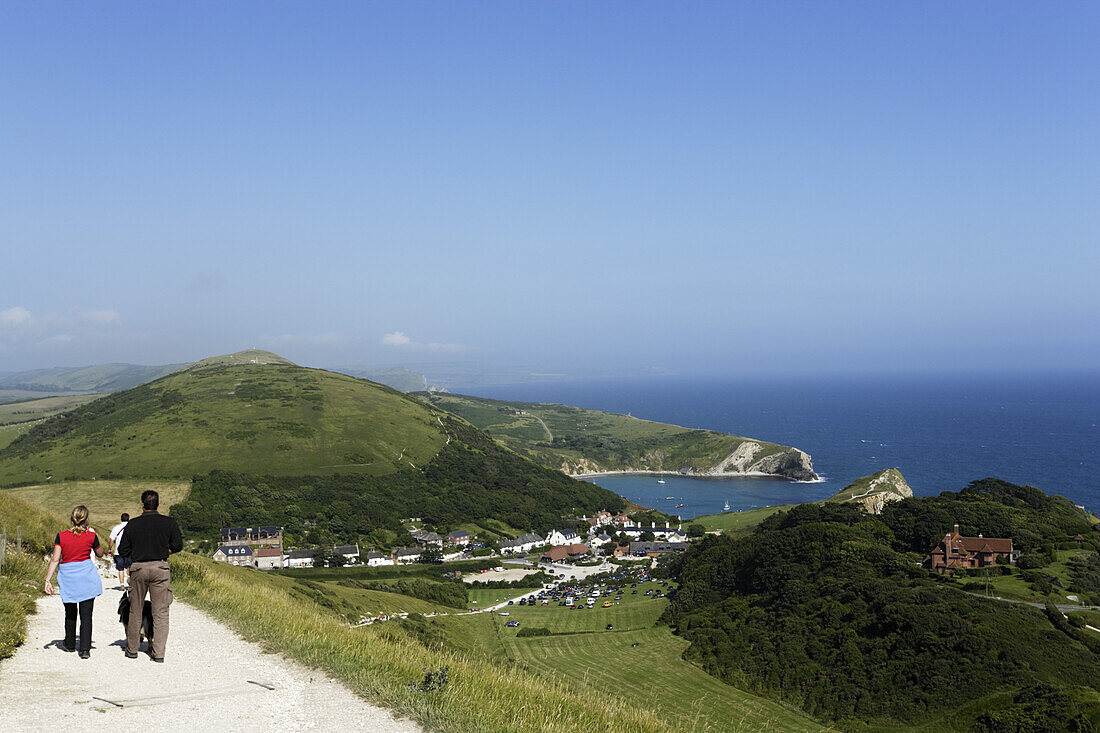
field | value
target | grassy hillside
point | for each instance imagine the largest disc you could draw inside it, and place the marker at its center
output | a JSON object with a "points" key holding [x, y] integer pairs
{"points": [[576, 440], [258, 418], [98, 378], [106, 499], [470, 480], [826, 607], [735, 522]]}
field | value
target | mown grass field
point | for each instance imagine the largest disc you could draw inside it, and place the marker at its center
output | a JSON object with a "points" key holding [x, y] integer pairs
{"points": [[590, 440], [734, 522], [105, 499], [20, 412], [256, 418], [685, 697]]}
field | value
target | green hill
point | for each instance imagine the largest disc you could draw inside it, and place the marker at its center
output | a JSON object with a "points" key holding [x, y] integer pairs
{"points": [[233, 414], [580, 441], [827, 607], [875, 491], [98, 378]]}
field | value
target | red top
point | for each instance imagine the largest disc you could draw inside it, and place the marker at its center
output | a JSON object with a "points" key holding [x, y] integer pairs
{"points": [[76, 547]]}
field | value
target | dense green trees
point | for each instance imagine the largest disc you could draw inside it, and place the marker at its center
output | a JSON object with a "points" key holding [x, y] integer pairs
{"points": [[828, 608], [471, 478]]}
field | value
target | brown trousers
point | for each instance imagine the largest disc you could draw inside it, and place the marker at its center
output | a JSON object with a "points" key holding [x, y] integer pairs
{"points": [[152, 578]]}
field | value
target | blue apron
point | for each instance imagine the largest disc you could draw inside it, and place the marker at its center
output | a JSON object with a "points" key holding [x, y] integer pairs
{"points": [[78, 581]]}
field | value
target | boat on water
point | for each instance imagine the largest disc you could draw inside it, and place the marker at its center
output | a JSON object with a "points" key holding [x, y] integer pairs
{"points": [[670, 498], [660, 480], [726, 508]]}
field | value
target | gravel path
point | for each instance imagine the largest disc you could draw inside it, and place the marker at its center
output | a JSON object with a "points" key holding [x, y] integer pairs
{"points": [[204, 683]]}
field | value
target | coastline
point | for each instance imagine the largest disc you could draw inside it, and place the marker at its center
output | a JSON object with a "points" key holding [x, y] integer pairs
{"points": [[699, 476]]}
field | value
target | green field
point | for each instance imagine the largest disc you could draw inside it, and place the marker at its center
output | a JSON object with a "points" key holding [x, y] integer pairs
{"points": [[31, 410], [583, 652], [734, 522], [683, 695], [1016, 588], [105, 499], [259, 418], [576, 440], [20, 416]]}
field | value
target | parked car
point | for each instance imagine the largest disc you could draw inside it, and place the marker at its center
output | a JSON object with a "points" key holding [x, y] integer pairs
{"points": [[512, 623], [609, 627], [504, 613]]}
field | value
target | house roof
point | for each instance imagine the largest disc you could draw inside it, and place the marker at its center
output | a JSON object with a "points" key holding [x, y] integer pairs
{"points": [[459, 534], [407, 551], [657, 547], [301, 554], [985, 544], [374, 555], [346, 549], [234, 550], [523, 539], [268, 552]]}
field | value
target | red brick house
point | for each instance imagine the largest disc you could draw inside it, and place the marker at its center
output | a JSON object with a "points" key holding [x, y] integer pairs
{"points": [[956, 551]]}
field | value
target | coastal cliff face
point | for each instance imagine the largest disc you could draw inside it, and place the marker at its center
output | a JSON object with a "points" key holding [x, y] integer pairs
{"points": [[875, 491], [749, 458], [578, 441]]}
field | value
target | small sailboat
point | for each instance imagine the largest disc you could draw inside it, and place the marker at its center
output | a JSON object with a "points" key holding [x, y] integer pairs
{"points": [[726, 508], [660, 480]]}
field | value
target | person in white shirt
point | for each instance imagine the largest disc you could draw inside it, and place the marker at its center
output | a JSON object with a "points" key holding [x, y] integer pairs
{"points": [[121, 563]]}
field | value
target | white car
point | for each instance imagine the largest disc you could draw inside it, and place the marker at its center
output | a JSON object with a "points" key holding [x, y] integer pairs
{"points": [[504, 613]]}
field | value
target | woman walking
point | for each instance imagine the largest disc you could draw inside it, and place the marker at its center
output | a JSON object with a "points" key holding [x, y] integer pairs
{"points": [[77, 579]]}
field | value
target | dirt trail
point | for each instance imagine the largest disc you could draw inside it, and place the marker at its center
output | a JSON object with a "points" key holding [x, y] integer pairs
{"points": [[207, 682]]}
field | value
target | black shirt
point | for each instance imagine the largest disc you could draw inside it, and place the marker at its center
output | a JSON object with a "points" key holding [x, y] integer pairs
{"points": [[150, 536]]}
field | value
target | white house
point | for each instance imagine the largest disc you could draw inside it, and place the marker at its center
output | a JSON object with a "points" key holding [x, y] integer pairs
{"points": [[300, 558], [674, 534], [523, 543], [349, 552], [559, 537], [375, 559], [458, 537], [234, 554], [404, 555]]}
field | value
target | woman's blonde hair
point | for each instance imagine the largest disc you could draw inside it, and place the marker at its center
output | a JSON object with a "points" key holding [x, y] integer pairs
{"points": [[79, 519]]}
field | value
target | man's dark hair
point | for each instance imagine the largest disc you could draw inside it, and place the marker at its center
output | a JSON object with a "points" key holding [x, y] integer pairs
{"points": [[150, 500], [125, 517]]}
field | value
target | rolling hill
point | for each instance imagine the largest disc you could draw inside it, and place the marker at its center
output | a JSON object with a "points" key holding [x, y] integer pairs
{"points": [[251, 412], [579, 441], [88, 379]]}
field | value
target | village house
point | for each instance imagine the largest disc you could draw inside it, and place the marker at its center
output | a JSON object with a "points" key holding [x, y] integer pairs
{"points": [[259, 536], [523, 543], [558, 537], [350, 553], [376, 559], [956, 551], [563, 553], [458, 537], [301, 558], [424, 538], [266, 558], [656, 549], [405, 555], [599, 541], [234, 554], [671, 534]]}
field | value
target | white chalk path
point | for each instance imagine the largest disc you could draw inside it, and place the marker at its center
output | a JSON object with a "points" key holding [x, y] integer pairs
{"points": [[207, 682]]}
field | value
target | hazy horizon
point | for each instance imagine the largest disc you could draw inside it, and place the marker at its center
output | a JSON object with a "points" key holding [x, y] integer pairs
{"points": [[742, 189]]}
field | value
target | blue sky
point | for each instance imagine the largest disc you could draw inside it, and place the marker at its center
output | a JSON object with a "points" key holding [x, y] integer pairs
{"points": [[701, 187]]}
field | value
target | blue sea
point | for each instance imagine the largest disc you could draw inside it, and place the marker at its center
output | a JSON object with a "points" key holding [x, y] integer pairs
{"points": [[940, 432]]}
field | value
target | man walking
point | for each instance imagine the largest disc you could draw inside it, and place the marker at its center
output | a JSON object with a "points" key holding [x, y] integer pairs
{"points": [[121, 563], [147, 542]]}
